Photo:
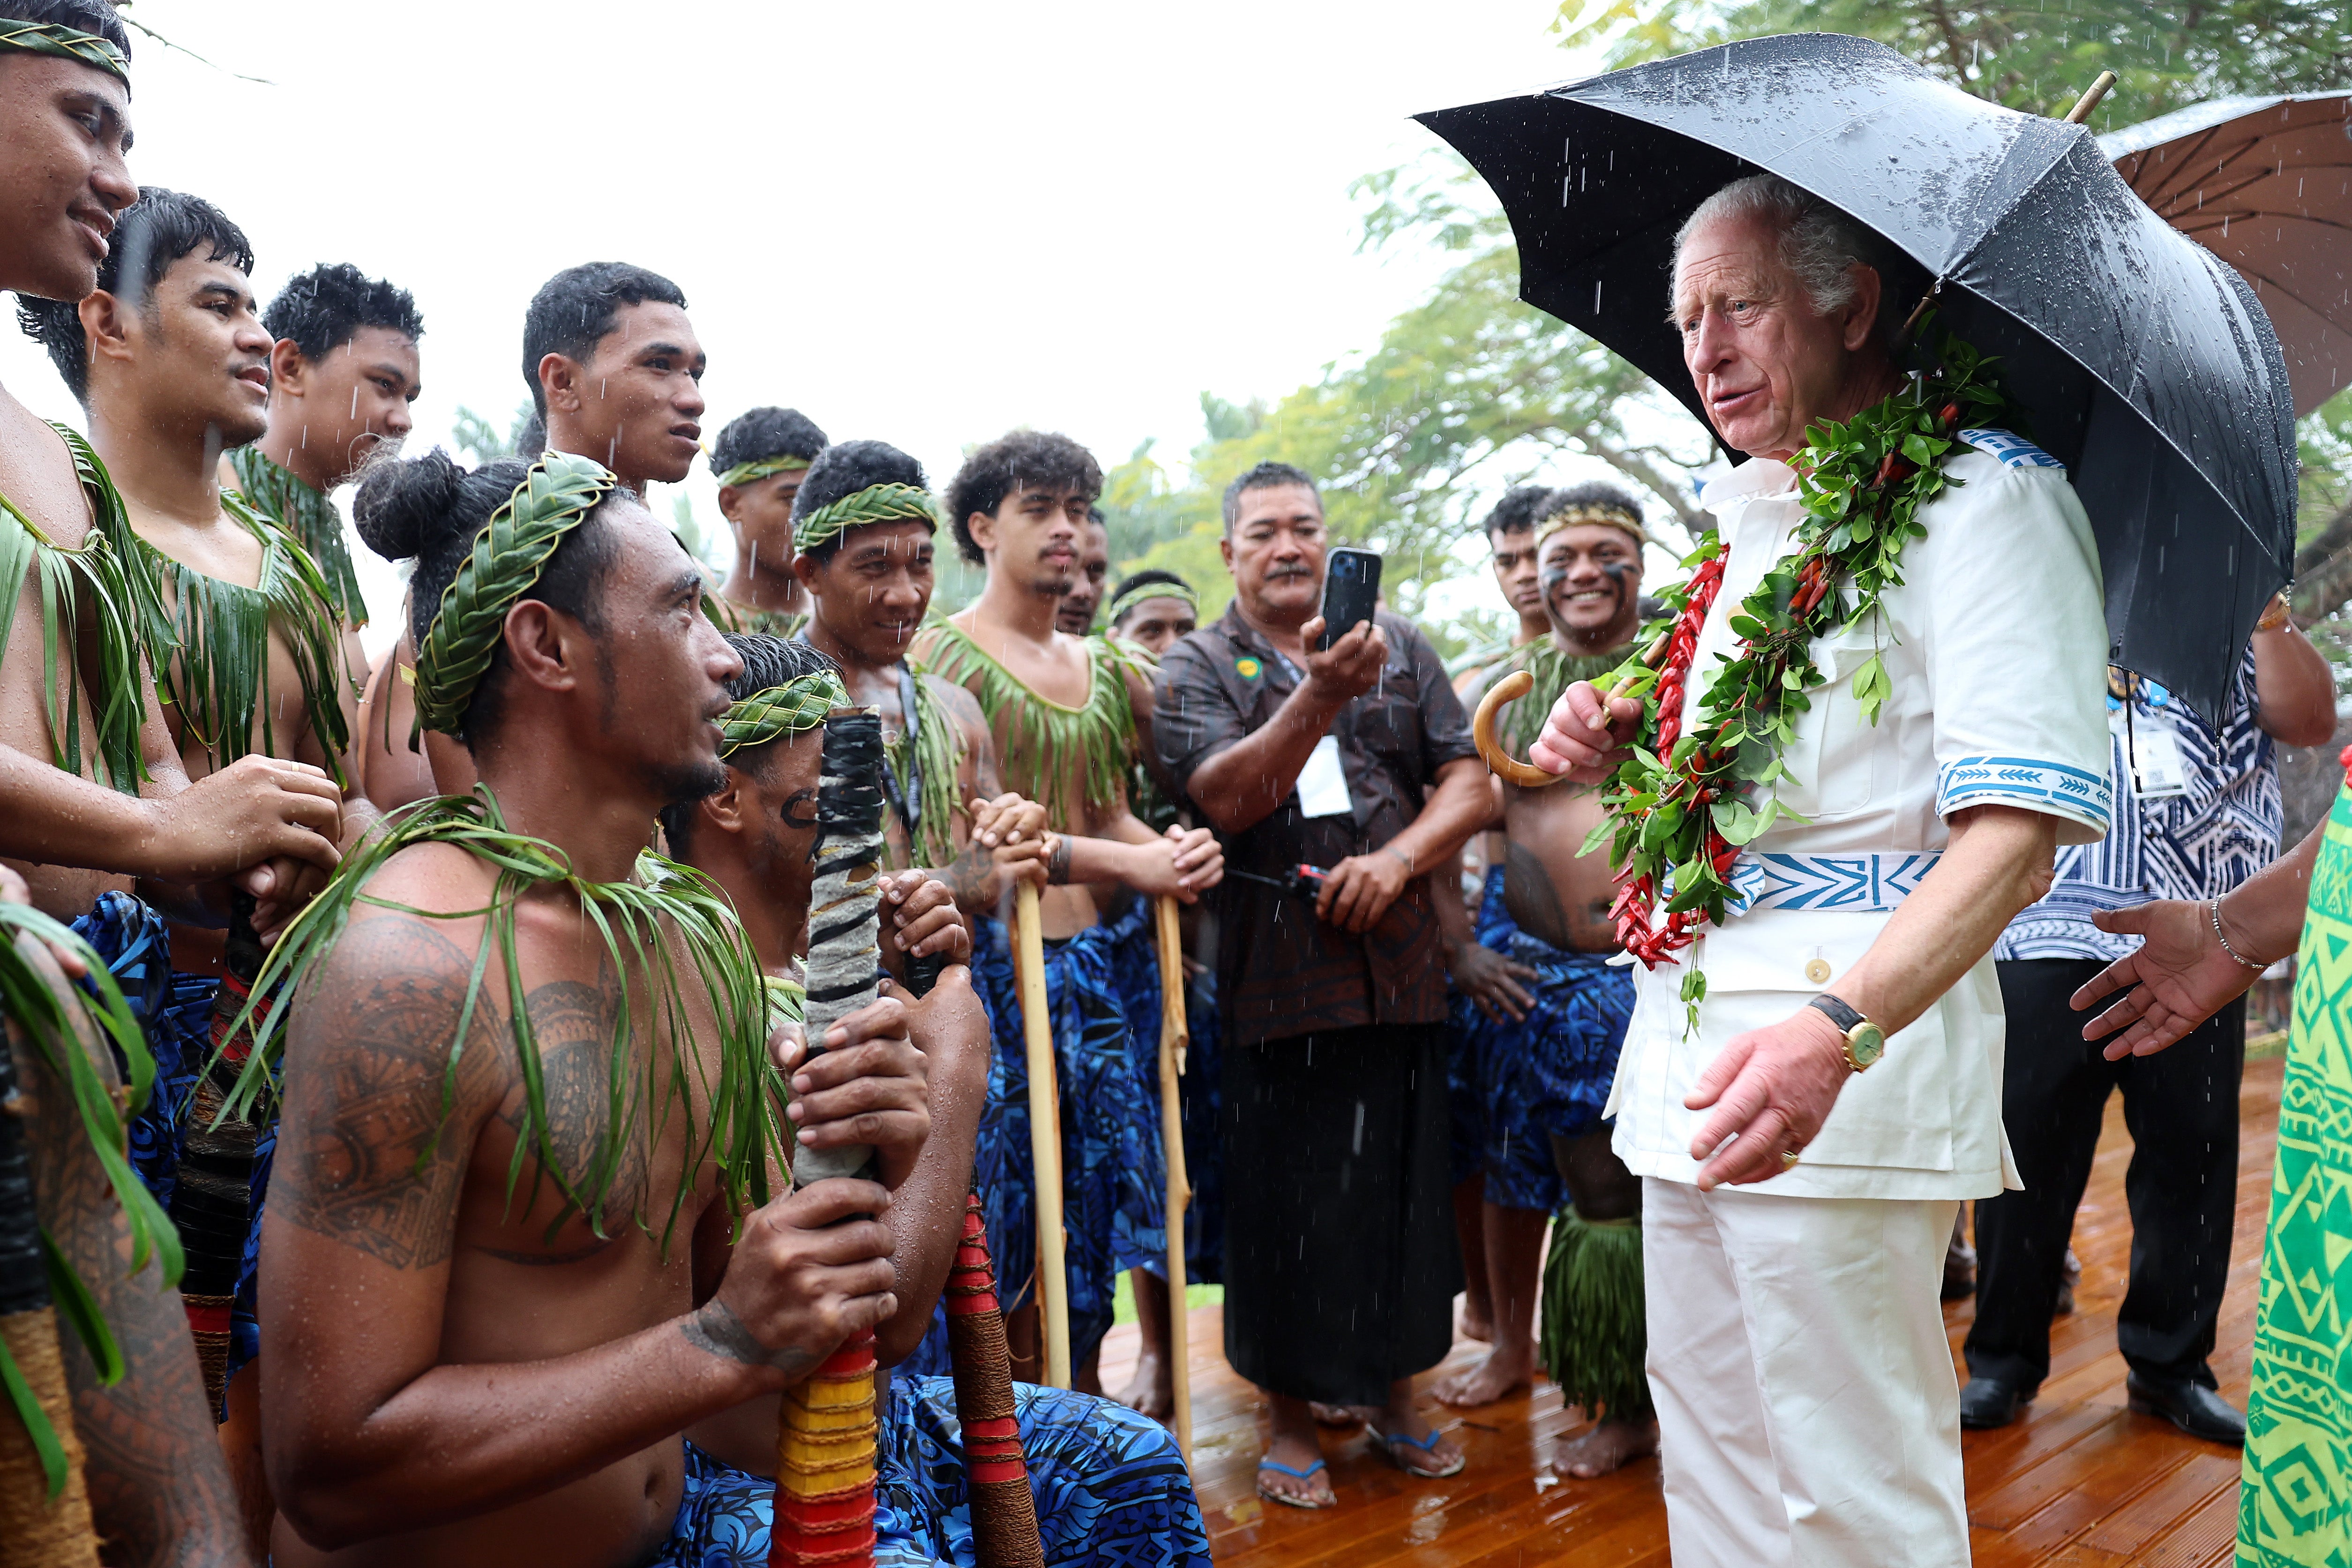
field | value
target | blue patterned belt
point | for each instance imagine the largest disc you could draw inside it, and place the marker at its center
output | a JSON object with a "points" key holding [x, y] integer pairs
{"points": [[1844, 884]]}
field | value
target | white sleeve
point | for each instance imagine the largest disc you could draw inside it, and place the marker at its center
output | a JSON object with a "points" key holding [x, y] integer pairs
{"points": [[2017, 648]]}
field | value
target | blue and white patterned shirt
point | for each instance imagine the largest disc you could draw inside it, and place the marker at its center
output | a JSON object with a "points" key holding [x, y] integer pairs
{"points": [[2195, 845]]}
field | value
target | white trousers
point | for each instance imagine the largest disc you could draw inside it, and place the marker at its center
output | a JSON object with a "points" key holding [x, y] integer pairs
{"points": [[1808, 1413]]}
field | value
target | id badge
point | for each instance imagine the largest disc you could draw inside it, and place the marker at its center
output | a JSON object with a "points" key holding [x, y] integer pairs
{"points": [[1323, 783], [2152, 755]]}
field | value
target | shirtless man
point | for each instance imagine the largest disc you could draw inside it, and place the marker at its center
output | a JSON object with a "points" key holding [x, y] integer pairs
{"points": [[615, 374], [1544, 1053], [1074, 615], [761, 459], [1067, 715], [77, 825], [471, 1375]]}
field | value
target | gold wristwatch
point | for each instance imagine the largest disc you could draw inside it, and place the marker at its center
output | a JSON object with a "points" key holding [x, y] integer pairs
{"points": [[1866, 1042]]}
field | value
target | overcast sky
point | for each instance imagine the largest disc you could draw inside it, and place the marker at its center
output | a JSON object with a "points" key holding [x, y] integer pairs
{"points": [[926, 223]]}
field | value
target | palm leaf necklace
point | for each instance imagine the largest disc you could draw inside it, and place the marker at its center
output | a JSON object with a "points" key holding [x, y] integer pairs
{"points": [[1554, 670], [93, 574], [209, 639], [1047, 737], [280, 495], [918, 771], [663, 911]]}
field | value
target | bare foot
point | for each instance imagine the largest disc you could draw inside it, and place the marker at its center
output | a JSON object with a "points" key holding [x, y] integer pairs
{"points": [[1152, 1391], [1477, 1323], [1498, 1375], [1610, 1446], [1346, 1417]]}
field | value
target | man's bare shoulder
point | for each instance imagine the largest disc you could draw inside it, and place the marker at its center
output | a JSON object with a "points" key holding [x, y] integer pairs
{"points": [[956, 701], [36, 474]]}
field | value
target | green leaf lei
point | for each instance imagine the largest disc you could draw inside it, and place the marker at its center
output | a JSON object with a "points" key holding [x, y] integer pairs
{"points": [[310, 517], [94, 574], [209, 641], [45, 1017], [1681, 806], [1041, 737], [758, 468], [1554, 670], [876, 503], [665, 910], [65, 43]]}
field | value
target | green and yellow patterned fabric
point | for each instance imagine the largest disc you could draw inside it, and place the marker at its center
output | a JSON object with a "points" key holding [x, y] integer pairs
{"points": [[2295, 1508], [310, 516]]}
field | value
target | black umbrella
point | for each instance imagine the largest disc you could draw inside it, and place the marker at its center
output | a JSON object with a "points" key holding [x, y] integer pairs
{"points": [[2141, 362]]}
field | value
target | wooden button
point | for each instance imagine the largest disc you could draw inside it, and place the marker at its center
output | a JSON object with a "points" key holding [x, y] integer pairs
{"points": [[1818, 971]]}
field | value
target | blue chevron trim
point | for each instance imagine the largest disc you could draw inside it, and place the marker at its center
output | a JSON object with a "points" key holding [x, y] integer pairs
{"points": [[2014, 451], [1838, 884], [2024, 780]]}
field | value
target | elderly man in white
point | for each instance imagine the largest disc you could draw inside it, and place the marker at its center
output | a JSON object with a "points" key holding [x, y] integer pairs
{"points": [[1807, 1404]]}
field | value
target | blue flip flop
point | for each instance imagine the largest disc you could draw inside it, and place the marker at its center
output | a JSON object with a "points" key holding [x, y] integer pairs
{"points": [[1287, 1501], [1391, 1443]]}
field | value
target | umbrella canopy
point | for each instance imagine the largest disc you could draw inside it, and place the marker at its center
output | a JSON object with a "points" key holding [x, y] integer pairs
{"points": [[2139, 359], [2265, 183]]}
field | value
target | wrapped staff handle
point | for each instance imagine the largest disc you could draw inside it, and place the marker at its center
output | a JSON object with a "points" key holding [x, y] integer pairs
{"points": [[1505, 766], [1175, 1036], [1045, 1134]]}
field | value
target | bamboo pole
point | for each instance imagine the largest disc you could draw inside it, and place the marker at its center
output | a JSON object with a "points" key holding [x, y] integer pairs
{"points": [[2090, 99], [1045, 1135], [1175, 1037]]}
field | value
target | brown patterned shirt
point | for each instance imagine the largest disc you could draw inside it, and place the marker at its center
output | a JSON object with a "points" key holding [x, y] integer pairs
{"points": [[1280, 971]]}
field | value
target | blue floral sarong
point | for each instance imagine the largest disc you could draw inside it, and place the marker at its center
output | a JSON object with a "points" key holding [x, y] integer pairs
{"points": [[1111, 1489], [1135, 971], [174, 1014], [1107, 1167], [1547, 1074]]}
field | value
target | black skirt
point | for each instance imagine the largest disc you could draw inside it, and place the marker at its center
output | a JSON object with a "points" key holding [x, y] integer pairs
{"points": [[1341, 1264]]}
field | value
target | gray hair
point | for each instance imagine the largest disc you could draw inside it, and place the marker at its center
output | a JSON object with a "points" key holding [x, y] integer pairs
{"points": [[1819, 244]]}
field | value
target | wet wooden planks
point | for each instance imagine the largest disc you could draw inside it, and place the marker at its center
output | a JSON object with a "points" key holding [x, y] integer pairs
{"points": [[2078, 1482]]}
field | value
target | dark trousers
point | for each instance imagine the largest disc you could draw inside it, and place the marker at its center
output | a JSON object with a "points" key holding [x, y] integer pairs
{"points": [[2181, 1105], [1341, 1265]]}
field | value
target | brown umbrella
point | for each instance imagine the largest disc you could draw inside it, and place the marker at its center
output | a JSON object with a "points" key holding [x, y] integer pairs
{"points": [[2265, 183]]}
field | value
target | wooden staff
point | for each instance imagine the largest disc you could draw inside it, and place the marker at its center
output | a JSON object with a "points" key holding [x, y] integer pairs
{"points": [[1044, 1132], [1175, 1036], [826, 1427], [44, 1510]]}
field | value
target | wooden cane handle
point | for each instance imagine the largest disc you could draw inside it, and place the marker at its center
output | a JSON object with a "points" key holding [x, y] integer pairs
{"points": [[1507, 767]]}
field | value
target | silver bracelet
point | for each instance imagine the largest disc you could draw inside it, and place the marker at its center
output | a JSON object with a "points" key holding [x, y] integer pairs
{"points": [[2215, 911]]}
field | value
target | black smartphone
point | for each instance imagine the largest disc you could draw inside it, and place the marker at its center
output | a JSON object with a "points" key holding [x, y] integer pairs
{"points": [[1351, 587]]}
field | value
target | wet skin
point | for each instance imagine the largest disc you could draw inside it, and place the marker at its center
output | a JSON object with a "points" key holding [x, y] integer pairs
{"points": [[328, 419], [1076, 614], [760, 513], [636, 405], [1157, 624]]}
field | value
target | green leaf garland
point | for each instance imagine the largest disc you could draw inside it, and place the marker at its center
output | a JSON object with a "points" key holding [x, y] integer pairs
{"points": [[310, 516], [1041, 737]]}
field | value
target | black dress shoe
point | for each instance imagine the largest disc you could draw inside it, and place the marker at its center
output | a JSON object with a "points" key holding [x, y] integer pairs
{"points": [[1986, 1402], [2191, 1406]]}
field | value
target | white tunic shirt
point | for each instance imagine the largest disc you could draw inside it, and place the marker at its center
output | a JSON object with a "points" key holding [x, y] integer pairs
{"points": [[1996, 643]]}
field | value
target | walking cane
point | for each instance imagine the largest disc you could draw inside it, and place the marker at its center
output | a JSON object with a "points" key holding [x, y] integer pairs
{"points": [[1174, 1036], [44, 1510], [1045, 1134], [826, 1427]]}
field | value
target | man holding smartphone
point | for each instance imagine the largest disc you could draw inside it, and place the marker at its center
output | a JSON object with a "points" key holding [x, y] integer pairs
{"points": [[1340, 1266]]}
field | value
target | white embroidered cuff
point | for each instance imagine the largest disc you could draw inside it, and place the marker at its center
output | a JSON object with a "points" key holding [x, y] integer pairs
{"points": [[2027, 782]]}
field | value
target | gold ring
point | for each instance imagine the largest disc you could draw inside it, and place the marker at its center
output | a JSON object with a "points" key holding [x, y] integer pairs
{"points": [[1787, 1161]]}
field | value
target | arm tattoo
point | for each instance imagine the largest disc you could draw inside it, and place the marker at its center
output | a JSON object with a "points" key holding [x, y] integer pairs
{"points": [[364, 1154], [159, 1488], [715, 1330]]}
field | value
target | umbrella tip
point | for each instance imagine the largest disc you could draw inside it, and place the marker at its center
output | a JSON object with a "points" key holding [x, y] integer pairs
{"points": [[2090, 99]]}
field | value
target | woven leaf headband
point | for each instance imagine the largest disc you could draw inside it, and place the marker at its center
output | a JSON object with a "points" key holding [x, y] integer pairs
{"points": [[1127, 598], [874, 503], [66, 44], [760, 468], [800, 703], [508, 557], [1616, 517]]}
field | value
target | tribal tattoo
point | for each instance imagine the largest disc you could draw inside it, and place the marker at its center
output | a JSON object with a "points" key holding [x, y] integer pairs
{"points": [[715, 1330]]}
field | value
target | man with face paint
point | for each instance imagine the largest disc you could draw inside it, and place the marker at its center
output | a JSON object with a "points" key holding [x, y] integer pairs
{"points": [[1543, 1064]]}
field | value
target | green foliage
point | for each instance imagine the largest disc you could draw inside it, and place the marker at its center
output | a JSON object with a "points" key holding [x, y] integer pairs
{"points": [[2036, 58], [478, 441]]}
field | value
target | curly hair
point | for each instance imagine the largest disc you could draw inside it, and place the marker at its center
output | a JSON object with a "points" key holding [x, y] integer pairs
{"points": [[321, 308], [1025, 459], [766, 433]]}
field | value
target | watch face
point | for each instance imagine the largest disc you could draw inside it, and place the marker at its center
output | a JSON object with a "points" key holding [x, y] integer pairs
{"points": [[1867, 1044]]}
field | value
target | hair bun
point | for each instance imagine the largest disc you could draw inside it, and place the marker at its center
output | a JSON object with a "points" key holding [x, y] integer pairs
{"points": [[402, 506]]}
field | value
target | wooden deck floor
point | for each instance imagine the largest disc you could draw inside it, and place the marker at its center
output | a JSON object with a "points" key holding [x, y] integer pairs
{"points": [[2078, 1482]]}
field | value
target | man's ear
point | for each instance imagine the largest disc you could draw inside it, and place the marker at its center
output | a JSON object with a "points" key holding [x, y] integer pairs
{"points": [[1226, 549], [981, 526], [730, 498], [805, 570], [1862, 315], [729, 810], [545, 646], [559, 381], [105, 326], [288, 371]]}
